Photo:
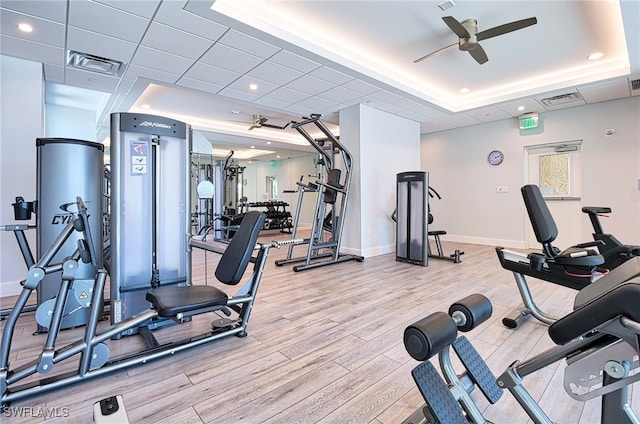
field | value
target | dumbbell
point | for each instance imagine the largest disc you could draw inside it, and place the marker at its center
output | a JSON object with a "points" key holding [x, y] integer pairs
{"points": [[428, 336]]}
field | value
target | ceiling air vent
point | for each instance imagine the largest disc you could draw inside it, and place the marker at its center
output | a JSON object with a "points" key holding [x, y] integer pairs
{"points": [[91, 63], [562, 99]]}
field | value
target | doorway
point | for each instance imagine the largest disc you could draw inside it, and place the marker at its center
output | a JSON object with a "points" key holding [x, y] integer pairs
{"points": [[557, 169]]}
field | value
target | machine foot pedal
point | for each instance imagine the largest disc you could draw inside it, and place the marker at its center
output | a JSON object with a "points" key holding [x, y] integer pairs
{"points": [[478, 369], [436, 394]]}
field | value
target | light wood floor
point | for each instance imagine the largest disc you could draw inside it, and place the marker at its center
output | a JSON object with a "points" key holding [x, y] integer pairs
{"points": [[325, 346]]}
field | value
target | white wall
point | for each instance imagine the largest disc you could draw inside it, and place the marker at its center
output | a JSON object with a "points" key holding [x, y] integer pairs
{"points": [[382, 145], [68, 122], [21, 122], [472, 211]]}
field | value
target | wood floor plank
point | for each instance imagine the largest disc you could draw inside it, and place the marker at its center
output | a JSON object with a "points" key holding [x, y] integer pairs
{"points": [[323, 346]]}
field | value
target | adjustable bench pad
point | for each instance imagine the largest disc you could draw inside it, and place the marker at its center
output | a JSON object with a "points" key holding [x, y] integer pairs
{"points": [[622, 300], [172, 300]]}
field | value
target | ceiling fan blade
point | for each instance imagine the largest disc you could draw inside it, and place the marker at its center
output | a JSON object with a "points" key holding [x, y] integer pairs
{"points": [[503, 29], [435, 53], [479, 54], [456, 26]]}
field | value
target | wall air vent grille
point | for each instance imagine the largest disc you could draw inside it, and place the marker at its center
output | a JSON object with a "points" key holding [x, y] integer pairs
{"points": [[91, 63], [562, 99], [635, 86]]}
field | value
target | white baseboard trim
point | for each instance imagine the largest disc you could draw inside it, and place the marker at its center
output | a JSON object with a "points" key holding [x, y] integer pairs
{"points": [[512, 244], [10, 288], [372, 251]]}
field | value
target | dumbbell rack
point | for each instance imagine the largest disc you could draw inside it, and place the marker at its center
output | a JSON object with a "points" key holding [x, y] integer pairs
{"points": [[278, 218]]}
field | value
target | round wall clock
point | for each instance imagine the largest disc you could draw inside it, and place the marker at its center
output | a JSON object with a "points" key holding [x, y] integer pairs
{"points": [[495, 157]]}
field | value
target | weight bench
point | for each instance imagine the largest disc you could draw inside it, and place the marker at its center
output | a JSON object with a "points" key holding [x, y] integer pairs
{"points": [[177, 303], [576, 267], [455, 257], [599, 340]]}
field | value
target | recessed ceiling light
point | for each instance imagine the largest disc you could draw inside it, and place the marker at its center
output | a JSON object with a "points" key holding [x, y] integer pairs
{"points": [[595, 56], [278, 156], [253, 147], [249, 162], [520, 108], [145, 106], [25, 27], [235, 111], [465, 90], [268, 142], [253, 86]]}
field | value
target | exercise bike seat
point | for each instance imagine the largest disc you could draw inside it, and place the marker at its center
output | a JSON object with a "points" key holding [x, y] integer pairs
{"points": [[621, 300]]}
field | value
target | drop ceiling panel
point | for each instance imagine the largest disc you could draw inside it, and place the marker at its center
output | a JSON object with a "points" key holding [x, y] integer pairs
{"points": [[145, 8], [100, 45], [271, 103], [212, 74], [230, 58], [340, 95], [331, 75], [54, 73], [28, 50], [116, 23], [287, 95], [528, 104], [274, 73], [310, 85], [386, 96], [293, 61], [461, 120], [47, 9], [604, 91], [174, 41], [248, 44], [90, 80], [135, 71], [199, 85], [124, 86], [361, 86], [237, 94], [243, 83], [172, 14], [488, 114], [316, 103], [156, 59], [44, 31]]}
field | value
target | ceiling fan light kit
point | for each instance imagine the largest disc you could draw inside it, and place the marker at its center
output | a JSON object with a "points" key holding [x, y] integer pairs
{"points": [[469, 37]]}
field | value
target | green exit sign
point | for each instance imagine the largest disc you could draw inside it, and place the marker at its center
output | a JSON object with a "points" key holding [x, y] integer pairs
{"points": [[529, 120]]}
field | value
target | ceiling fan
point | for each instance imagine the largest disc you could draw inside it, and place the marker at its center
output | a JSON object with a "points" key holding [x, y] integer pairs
{"points": [[469, 37], [259, 121]]}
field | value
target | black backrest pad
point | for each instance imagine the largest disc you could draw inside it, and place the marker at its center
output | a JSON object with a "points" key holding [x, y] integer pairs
{"points": [[235, 258], [622, 300], [542, 222], [333, 178]]}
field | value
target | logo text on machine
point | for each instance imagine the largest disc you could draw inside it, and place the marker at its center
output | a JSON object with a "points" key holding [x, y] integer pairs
{"points": [[154, 124]]}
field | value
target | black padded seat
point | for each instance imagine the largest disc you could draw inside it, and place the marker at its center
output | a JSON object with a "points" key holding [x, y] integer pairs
{"points": [[172, 300], [437, 233], [622, 300]]}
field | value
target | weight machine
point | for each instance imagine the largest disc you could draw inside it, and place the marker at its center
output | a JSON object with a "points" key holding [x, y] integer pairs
{"points": [[333, 193], [167, 303], [599, 341]]}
